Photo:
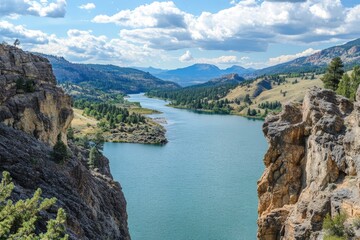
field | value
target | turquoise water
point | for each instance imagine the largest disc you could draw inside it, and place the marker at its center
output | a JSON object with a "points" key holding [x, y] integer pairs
{"points": [[200, 186]]}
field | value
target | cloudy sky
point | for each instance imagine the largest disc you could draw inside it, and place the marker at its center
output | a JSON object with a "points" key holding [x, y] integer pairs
{"points": [[171, 34]]}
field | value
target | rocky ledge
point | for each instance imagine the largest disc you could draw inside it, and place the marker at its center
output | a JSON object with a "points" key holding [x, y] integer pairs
{"points": [[312, 166], [33, 113]]}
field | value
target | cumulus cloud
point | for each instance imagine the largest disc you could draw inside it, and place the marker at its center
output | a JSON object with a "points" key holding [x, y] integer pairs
{"points": [[54, 9], [156, 14], [186, 57], [286, 58], [219, 60], [245, 26], [9, 32], [87, 6], [222, 60], [80, 45]]}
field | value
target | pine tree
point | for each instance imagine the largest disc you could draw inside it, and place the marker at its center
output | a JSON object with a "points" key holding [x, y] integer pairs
{"points": [[70, 133], [345, 86], [93, 155], [18, 220], [333, 74], [60, 153], [355, 81]]}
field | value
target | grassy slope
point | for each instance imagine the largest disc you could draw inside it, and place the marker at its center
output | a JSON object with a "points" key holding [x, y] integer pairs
{"points": [[83, 125], [294, 92]]}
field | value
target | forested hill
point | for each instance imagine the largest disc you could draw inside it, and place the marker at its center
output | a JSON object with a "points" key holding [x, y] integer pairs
{"points": [[317, 62], [106, 77], [205, 97]]}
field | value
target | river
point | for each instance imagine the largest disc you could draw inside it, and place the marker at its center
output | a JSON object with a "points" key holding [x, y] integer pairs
{"points": [[199, 186]]}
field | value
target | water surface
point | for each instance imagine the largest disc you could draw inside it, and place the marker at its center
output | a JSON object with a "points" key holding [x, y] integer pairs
{"points": [[200, 186]]}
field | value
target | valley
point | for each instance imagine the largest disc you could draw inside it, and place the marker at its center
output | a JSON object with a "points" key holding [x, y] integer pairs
{"points": [[180, 120]]}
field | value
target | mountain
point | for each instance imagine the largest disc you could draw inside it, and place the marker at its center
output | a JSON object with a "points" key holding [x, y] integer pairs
{"points": [[197, 73], [233, 78], [151, 70], [106, 77], [35, 115], [348, 52]]}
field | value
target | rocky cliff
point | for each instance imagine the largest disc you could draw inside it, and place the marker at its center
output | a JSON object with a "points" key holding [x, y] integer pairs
{"points": [[29, 98], [33, 112], [312, 166]]}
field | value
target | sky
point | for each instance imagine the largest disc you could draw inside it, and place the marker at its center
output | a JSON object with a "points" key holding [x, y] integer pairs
{"points": [[179, 33]]}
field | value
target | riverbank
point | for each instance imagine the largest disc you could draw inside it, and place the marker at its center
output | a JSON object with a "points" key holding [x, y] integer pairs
{"points": [[149, 132]]}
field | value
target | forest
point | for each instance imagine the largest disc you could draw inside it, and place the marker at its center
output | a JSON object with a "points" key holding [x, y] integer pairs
{"points": [[207, 98], [109, 113]]}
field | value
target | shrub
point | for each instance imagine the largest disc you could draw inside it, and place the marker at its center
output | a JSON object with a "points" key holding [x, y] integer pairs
{"points": [[335, 229], [60, 152], [356, 222]]}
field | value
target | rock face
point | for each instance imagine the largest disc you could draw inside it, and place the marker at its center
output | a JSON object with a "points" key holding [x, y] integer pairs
{"points": [[312, 166], [30, 120], [29, 98]]}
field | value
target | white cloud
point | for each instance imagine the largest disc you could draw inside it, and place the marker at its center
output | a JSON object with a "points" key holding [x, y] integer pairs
{"points": [[42, 8], [219, 60], [80, 46], [222, 60], [156, 14], [245, 26], [10, 32], [286, 58], [186, 57], [88, 6]]}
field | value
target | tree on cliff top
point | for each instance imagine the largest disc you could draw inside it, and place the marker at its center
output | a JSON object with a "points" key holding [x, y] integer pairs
{"points": [[333, 74], [17, 42], [18, 220]]}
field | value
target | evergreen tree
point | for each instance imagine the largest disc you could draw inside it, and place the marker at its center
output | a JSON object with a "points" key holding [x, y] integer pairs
{"points": [[60, 153], [345, 86], [99, 141], [355, 81], [333, 74], [93, 155], [70, 133], [18, 220]]}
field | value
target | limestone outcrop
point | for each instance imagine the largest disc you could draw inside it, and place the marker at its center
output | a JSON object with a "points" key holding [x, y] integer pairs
{"points": [[312, 166], [29, 98], [33, 112]]}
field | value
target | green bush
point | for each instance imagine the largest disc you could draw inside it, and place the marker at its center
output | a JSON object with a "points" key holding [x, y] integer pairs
{"points": [[27, 86], [335, 226], [60, 152], [18, 220], [356, 222], [335, 229]]}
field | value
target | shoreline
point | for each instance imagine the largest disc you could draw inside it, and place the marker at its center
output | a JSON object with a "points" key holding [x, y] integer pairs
{"points": [[149, 132]]}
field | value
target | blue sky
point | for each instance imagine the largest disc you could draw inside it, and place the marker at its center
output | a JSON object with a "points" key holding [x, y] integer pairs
{"points": [[178, 33]]}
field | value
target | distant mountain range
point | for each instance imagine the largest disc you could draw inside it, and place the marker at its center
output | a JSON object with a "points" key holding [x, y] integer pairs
{"points": [[133, 80], [348, 52], [200, 73], [106, 77], [196, 74]]}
